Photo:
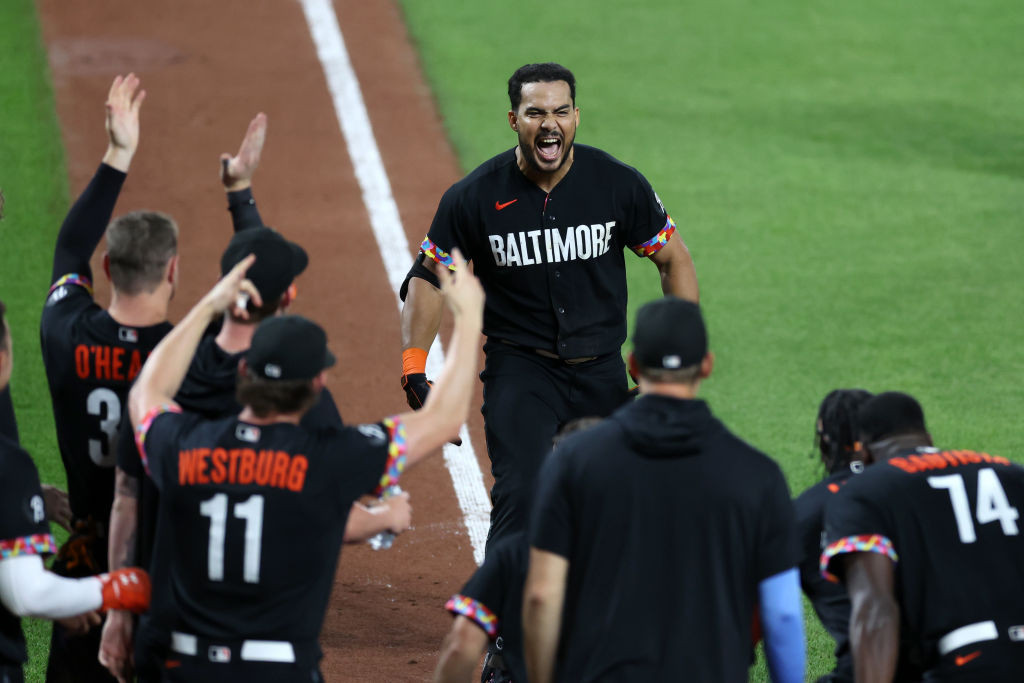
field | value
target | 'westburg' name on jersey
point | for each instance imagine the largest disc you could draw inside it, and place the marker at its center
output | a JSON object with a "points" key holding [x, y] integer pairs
{"points": [[552, 263]]}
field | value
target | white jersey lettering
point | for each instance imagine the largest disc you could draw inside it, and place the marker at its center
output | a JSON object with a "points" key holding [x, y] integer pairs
{"points": [[498, 249], [523, 248]]}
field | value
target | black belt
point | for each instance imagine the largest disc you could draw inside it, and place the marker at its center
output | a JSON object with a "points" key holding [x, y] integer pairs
{"points": [[550, 354]]}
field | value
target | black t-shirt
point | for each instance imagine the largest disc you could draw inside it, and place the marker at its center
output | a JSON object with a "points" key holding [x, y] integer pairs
{"points": [[252, 518], [209, 391], [830, 600], [669, 523], [552, 264], [493, 599], [23, 531], [949, 521], [91, 361]]}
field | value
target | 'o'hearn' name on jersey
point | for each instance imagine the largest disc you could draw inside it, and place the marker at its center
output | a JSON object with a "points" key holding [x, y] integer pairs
{"points": [[525, 248]]}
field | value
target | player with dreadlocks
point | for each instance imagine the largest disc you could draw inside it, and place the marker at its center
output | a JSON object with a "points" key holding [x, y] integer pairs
{"points": [[836, 442]]}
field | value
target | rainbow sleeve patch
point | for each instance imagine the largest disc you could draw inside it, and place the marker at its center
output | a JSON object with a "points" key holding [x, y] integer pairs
{"points": [[36, 544], [396, 455], [865, 543], [654, 245], [72, 279], [434, 252], [143, 429], [476, 612]]}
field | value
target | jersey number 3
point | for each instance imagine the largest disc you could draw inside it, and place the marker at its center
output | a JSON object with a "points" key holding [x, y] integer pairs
{"points": [[251, 511], [102, 402], [992, 503]]}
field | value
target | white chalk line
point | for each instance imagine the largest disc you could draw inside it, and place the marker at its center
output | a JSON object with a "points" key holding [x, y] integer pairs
{"points": [[390, 235]]}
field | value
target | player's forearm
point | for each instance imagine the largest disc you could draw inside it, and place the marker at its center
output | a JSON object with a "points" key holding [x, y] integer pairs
{"points": [[124, 521], [164, 370], [874, 638], [363, 524], [421, 315], [460, 653], [28, 590], [86, 222], [541, 627]]}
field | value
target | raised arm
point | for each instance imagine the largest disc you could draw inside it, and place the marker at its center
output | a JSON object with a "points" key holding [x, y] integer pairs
{"points": [[88, 218], [236, 175], [676, 269], [447, 405], [164, 370]]}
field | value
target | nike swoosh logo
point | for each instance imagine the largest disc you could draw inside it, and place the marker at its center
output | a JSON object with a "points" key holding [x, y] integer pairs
{"points": [[499, 206], [960, 661]]}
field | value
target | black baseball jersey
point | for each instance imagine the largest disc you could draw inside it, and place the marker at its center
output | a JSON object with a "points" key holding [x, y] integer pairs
{"points": [[493, 599], [90, 359], [669, 523], [552, 264], [252, 518], [23, 531], [949, 521], [829, 599]]}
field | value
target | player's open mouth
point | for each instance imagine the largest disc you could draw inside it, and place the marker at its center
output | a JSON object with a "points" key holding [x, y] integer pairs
{"points": [[549, 147]]}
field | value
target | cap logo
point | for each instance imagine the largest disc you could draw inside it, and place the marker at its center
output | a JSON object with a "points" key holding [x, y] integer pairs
{"points": [[272, 370], [671, 362]]}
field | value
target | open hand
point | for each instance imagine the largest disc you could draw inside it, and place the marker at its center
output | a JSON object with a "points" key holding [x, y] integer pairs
{"points": [[123, 103], [236, 171]]}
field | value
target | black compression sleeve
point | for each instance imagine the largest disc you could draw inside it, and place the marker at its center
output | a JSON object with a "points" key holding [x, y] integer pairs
{"points": [[421, 271], [86, 222], [244, 214], [8, 423]]}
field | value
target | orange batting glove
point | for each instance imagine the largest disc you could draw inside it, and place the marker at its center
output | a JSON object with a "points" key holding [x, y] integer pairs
{"points": [[126, 589]]}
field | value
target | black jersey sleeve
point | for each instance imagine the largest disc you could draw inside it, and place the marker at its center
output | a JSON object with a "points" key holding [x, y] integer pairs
{"points": [[778, 542], [128, 459], [855, 522], [157, 438], [551, 526], [448, 230], [85, 224], [482, 598], [370, 459], [650, 226], [8, 423], [23, 526], [244, 214]]}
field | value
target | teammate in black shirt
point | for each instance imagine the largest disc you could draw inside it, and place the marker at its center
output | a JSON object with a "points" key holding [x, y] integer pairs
{"points": [[243, 497], [928, 543], [545, 225], [836, 442], [26, 588], [657, 532], [92, 355]]}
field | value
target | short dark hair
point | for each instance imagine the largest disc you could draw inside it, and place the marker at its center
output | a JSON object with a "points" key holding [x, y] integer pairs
{"points": [[578, 424], [687, 375], [139, 246], [836, 431], [890, 414], [3, 327], [265, 397], [546, 72]]}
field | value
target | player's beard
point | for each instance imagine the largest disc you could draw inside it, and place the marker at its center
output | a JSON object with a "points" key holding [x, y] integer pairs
{"points": [[529, 150]]}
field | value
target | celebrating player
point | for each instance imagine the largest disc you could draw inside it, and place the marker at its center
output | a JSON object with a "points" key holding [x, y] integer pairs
{"points": [[657, 532], [836, 442], [256, 491], [92, 355], [545, 225], [928, 544], [26, 588]]}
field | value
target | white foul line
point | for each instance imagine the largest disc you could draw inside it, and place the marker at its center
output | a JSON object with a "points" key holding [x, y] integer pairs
{"points": [[394, 247]]}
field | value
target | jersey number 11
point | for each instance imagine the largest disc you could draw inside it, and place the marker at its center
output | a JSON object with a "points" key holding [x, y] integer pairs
{"points": [[251, 511]]}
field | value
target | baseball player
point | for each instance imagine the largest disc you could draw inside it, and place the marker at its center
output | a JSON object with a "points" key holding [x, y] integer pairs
{"points": [[657, 532], [545, 225], [928, 544], [836, 442], [249, 494], [26, 588], [92, 355]]}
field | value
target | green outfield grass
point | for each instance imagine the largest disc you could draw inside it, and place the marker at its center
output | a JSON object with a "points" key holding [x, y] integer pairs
{"points": [[34, 182], [849, 178]]}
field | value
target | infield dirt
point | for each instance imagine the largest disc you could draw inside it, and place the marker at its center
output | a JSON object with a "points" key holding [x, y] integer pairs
{"points": [[207, 69]]}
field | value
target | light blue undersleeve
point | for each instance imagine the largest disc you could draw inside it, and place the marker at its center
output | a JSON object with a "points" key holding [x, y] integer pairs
{"points": [[782, 622]]}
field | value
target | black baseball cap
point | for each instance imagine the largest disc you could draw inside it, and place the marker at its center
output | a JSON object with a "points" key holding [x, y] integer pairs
{"points": [[669, 334], [288, 347], [890, 414], [278, 261]]}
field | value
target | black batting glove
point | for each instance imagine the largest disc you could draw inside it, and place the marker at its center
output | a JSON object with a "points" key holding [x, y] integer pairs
{"points": [[416, 386]]}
